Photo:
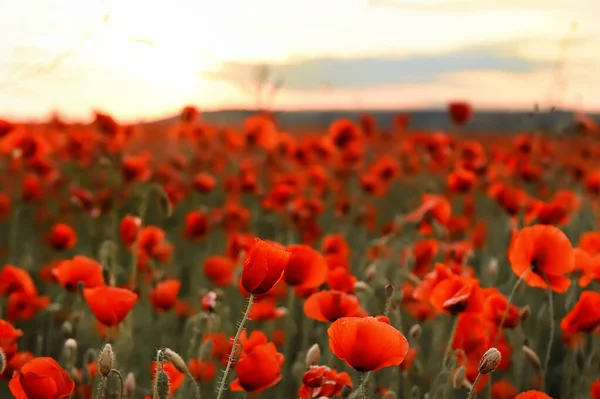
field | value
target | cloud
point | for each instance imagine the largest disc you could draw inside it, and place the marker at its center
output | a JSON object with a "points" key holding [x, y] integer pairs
{"points": [[368, 72]]}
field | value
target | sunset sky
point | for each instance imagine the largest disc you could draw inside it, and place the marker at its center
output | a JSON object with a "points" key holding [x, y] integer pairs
{"points": [[147, 59]]}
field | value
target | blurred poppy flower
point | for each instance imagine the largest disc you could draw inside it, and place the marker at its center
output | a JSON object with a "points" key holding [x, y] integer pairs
{"points": [[258, 369], [196, 225], [164, 295], [110, 305], [41, 378], [14, 279], [366, 344], [202, 370], [129, 229], [585, 315], [457, 294], [532, 395], [546, 254], [62, 236], [8, 338], [176, 377], [219, 270], [460, 112], [306, 268], [503, 389], [79, 270], [329, 306]]}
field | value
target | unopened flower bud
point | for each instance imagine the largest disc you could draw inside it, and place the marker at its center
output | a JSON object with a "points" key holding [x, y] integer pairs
{"points": [[370, 272], [361, 286], [66, 329], [70, 344], [106, 360], [2, 361], [177, 360], [415, 392], [492, 268], [163, 386], [129, 385], [313, 356], [389, 290], [415, 332], [459, 377], [490, 361], [532, 356], [525, 313]]}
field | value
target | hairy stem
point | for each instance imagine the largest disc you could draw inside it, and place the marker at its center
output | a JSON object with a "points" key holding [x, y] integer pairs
{"points": [[233, 348], [472, 391], [508, 303]]}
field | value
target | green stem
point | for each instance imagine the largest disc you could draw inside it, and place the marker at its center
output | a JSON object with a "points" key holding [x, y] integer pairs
{"points": [[449, 346], [508, 303], [362, 389], [122, 385], [472, 391], [551, 338], [233, 347]]}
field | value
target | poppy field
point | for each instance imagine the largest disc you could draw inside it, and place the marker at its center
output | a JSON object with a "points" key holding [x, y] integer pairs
{"points": [[194, 260]]}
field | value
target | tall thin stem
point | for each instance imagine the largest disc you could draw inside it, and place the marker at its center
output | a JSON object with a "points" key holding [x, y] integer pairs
{"points": [[551, 338], [362, 389], [122, 385], [233, 348], [508, 303], [449, 345], [472, 391]]}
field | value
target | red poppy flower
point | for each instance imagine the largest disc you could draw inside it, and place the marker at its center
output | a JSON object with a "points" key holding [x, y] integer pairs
{"points": [[164, 295], [110, 305], [547, 253], [41, 378], [343, 133], [503, 389], [595, 389], [306, 268], [340, 279], [258, 369], [494, 307], [196, 226], [460, 112], [335, 244], [219, 270], [62, 236], [367, 344], [423, 253], [264, 266], [136, 167], [457, 294], [323, 381], [14, 279], [329, 306], [129, 229], [532, 395], [585, 315], [204, 183], [265, 309], [8, 338], [202, 370], [22, 306], [80, 269]]}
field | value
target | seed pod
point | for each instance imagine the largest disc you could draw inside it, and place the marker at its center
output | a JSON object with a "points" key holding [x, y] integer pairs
{"points": [[415, 332], [177, 361], [106, 360], [490, 361], [313, 356], [66, 329], [525, 313], [129, 385], [459, 377], [70, 344], [532, 356], [2, 361], [163, 386], [415, 392], [492, 268], [361, 286]]}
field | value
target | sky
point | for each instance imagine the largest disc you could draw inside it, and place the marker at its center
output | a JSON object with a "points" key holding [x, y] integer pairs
{"points": [[146, 59]]}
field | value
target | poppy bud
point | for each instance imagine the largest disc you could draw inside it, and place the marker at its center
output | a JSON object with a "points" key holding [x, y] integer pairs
{"points": [[370, 272], [532, 356], [415, 332], [106, 360], [525, 313], [163, 386], [389, 290], [177, 361], [493, 268], [415, 392], [313, 356], [129, 385], [459, 377], [264, 266], [66, 329], [2, 361], [361, 286], [490, 361]]}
